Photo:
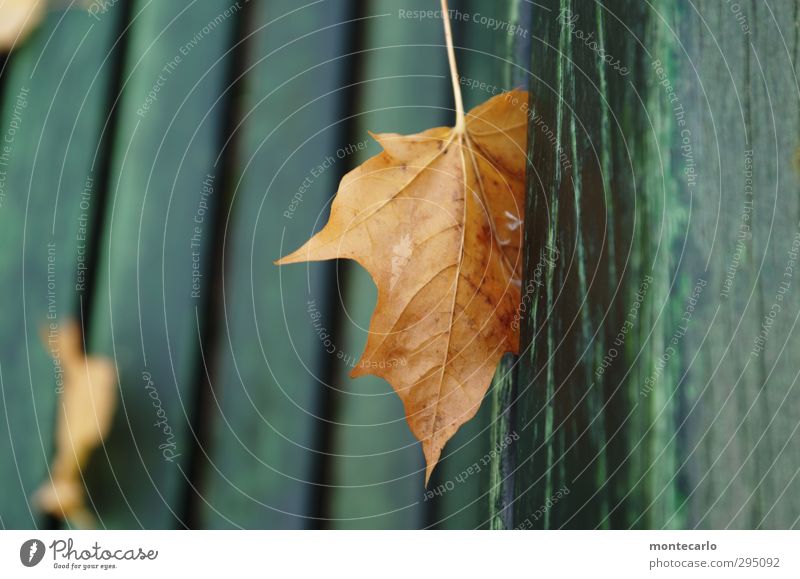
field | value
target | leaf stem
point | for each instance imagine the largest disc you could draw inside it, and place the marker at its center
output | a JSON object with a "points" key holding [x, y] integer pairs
{"points": [[451, 55]]}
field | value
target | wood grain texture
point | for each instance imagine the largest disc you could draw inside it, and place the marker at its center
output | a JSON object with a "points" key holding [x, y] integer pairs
{"points": [[642, 401], [742, 436]]}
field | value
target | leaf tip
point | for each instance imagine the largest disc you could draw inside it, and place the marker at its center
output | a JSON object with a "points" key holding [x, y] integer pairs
{"points": [[293, 257], [431, 458]]}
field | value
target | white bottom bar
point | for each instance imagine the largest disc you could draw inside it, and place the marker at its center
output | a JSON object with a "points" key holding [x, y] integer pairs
{"points": [[358, 554]]}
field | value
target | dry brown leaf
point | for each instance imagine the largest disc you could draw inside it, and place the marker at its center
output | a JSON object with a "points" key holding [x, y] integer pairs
{"points": [[436, 219], [17, 19], [83, 419]]}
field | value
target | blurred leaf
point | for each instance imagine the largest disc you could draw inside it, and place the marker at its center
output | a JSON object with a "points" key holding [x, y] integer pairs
{"points": [[87, 403], [17, 19]]}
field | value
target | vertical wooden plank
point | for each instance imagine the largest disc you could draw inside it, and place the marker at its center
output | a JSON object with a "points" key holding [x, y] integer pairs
{"points": [[742, 469], [605, 216], [645, 495], [56, 94], [659, 388], [151, 275], [269, 377], [377, 469]]}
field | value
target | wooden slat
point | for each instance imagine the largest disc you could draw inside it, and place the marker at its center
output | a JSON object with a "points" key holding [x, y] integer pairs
{"points": [[742, 436], [145, 315], [377, 466], [674, 424], [269, 379], [581, 420], [54, 102]]}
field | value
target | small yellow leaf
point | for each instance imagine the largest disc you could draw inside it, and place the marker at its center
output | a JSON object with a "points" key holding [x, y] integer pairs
{"points": [[83, 418]]}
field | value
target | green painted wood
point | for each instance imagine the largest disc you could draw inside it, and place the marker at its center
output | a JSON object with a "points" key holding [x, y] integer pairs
{"points": [[627, 414], [158, 226], [742, 439], [55, 94], [646, 397], [377, 467], [269, 379], [599, 319]]}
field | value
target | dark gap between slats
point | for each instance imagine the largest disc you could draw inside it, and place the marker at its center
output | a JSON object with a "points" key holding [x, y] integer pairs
{"points": [[198, 460], [322, 476], [83, 305], [116, 63], [4, 60]]}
